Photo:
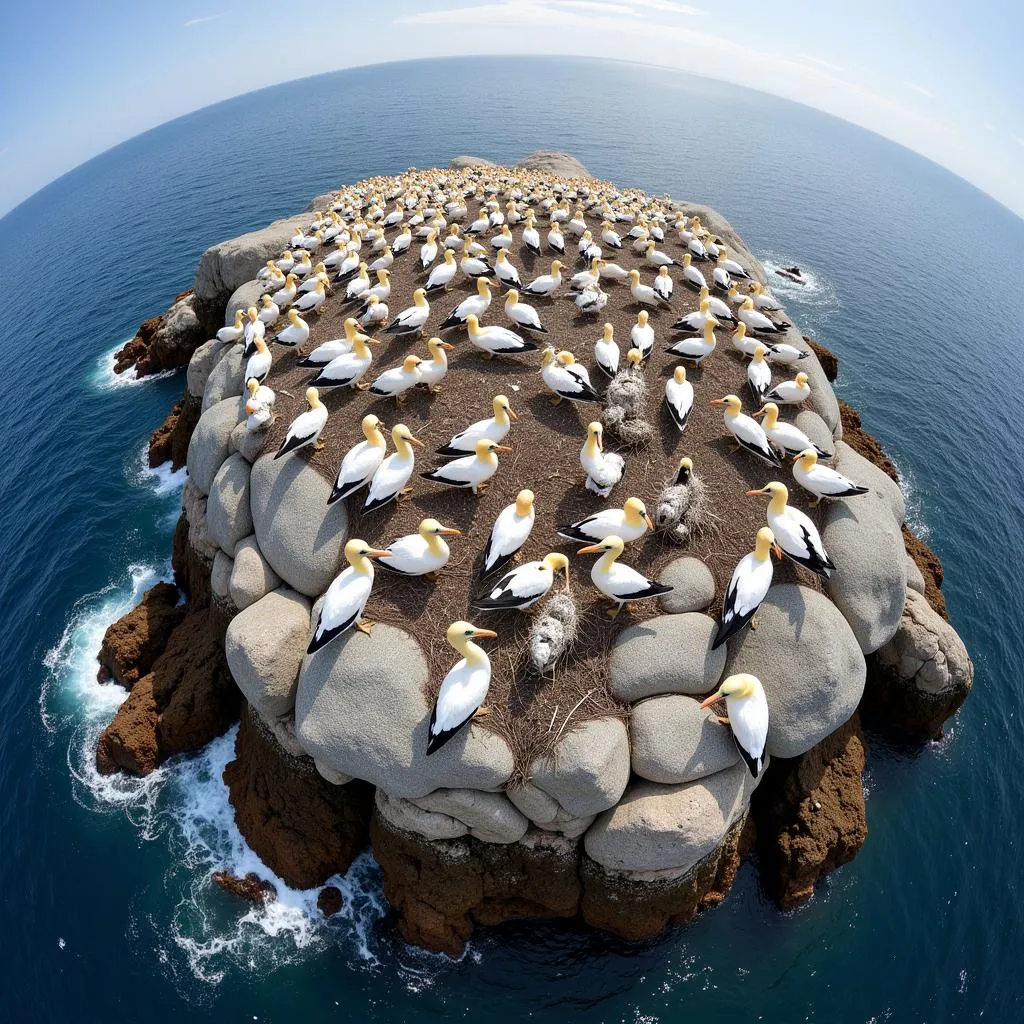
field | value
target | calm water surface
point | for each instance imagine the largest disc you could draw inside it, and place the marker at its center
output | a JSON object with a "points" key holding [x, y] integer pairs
{"points": [[917, 284]]}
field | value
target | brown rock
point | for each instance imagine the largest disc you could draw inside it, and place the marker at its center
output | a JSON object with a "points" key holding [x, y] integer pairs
{"points": [[329, 900], [442, 889], [828, 359], [164, 342], [931, 569], [136, 640], [810, 814], [641, 909], [169, 442], [129, 743], [252, 888], [191, 569], [302, 827], [863, 443]]}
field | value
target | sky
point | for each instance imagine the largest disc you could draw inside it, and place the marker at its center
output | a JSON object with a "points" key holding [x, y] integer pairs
{"points": [[942, 77]]}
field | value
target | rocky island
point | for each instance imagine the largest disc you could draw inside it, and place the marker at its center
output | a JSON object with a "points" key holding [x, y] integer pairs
{"points": [[600, 790]]}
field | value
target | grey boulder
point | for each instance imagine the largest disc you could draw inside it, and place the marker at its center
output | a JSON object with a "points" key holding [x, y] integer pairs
{"points": [[870, 582], [853, 465], [265, 644], [693, 586], [809, 663], [200, 366], [588, 769], [361, 710], [915, 578], [675, 741], [489, 817], [210, 443], [225, 380], [244, 296], [220, 576], [554, 163], [458, 163], [193, 504], [816, 429], [299, 534], [228, 515], [662, 828], [251, 575], [667, 654], [248, 443]]}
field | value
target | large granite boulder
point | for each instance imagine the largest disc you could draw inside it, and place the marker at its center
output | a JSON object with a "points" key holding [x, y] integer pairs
{"points": [[201, 365], [220, 576], [248, 443], [227, 265], [853, 465], [721, 228], [588, 769], [816, 429], [489, 817], [669, 828], [693, 586], [361, 710], [225, 379], [675, 741], [299, 534], [869, 585], [244, 296], [228, 515], [667, 654], [922, 675], [823, 399], [193, 504], [458, 163], [546, 813], [251, 575], [265, 644], [409, 817], [210, 444], [808, 661], [554, 163]]}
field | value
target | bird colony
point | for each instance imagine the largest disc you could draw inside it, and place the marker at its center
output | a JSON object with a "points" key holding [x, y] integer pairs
{"points": [[511, 482]]}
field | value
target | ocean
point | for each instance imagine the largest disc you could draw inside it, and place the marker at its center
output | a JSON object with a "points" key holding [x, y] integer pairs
{"points": [[917, 284]]}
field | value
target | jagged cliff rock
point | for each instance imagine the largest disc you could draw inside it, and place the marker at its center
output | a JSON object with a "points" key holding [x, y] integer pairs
{"points": [[302, 827], [811, 816], [164, 342], [135, 641], [169, 442]]}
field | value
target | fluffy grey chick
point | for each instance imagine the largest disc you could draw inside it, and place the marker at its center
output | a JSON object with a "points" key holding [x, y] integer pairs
{"points": [[680, 503], [553, 632], [624, 400]]}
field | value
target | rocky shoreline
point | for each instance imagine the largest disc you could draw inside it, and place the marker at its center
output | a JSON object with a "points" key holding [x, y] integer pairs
{"points": [[593, 833]]}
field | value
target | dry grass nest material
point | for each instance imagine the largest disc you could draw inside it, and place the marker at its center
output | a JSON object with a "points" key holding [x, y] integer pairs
{"points": [[528, 710]]}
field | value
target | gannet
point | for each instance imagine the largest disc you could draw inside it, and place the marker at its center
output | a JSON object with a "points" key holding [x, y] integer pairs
{"points": [[786, 437], [521, 314], [390, 479], [757, 321], [269, 313], [546, 284], [643, 293], [464, 689], [433, 370], [641, 337], [232, 332], [509, 532], [346, 597], [348, 369], [747, 717], [493, 428], [474, 304], [794, 532], [610, 236], [790, 392], [394, 383], [503, 239], [524, 586], [679, 397], [696, 349], [413, 319], [630, 523], [604, 469], [531, 236], [746, 431], [374, 314], [663, 284], [305, 429], [785, 354], [748, 587], [691, 275], [330, 350], [258, 365], [423, 553], [759, 374], [656, 258], [473, 471], [475, 266], [428, 250], [360, 461], [606, 351], [556, 240], [493, 340], [621, 584], [401, 242], [296, 333], [822, 481], [443, 274], [358, 286], [566, 378], [762, 298], [588, 278]]}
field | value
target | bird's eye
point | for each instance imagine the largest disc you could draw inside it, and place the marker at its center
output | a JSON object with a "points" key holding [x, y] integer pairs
{"points": [[469, 632]]}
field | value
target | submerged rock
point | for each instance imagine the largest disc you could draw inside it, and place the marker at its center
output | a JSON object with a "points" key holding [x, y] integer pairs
{"points": [[250, 887]]}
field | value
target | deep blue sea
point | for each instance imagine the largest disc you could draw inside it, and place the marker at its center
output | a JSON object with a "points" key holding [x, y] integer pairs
{"points": [[918, 285]]}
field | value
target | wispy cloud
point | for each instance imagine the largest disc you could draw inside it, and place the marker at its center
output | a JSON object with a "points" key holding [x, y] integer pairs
{"points": [[818, 60], [203, 20], [1017, 138], [920, 90], [549, 12], [598, 6]]}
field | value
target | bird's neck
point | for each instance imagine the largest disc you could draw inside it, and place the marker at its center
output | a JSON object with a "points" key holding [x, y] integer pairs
{"points": [[709, 331], [362, 565], [592, 449], [488, 458], [607, 560], [403, 448], [376, 438], [474, 655], [777, 505], [770, 419]]}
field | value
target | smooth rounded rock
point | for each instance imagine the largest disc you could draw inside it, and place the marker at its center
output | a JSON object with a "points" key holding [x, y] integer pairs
{"points": [[200, 366], [534, 803], [667, 654], [265, 644], [809, 663], [657, 828], [193, 504], [225, 380], [861, 471], [816, 429], [588, 769], [869, 586], [248, 443], [693, 586], [228, 516], [210, 443], [554, 163], [458, 163], [915, 578], [674, 741], [409, 817], [360, 709], [220, 576], [299, 534], [251, 576], [489, 817], [243, 297]]}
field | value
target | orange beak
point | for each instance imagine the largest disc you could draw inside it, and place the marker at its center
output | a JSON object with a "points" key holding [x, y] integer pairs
{"points": [[414, 440], [648, 521], [485, 632], [512, 416], [378, 554], [372, 341], [718, 401], [447, 346], [758, 414], [778, 551], [716, 696], [567, 579], [755, 493], [592, 549], [451, 532], [502, 448]]}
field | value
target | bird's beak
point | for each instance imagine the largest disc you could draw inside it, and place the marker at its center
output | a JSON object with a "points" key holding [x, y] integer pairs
{"points": [[757, 415], [485, 632], [447, 346], [717, 695], [378, 554], [718, 401], [647, 520], [756, 493], [567, 579], [503, 448], [451, 532], [414, 440], [512, 416], [591, 549], [778, 551], [373, 341]]}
